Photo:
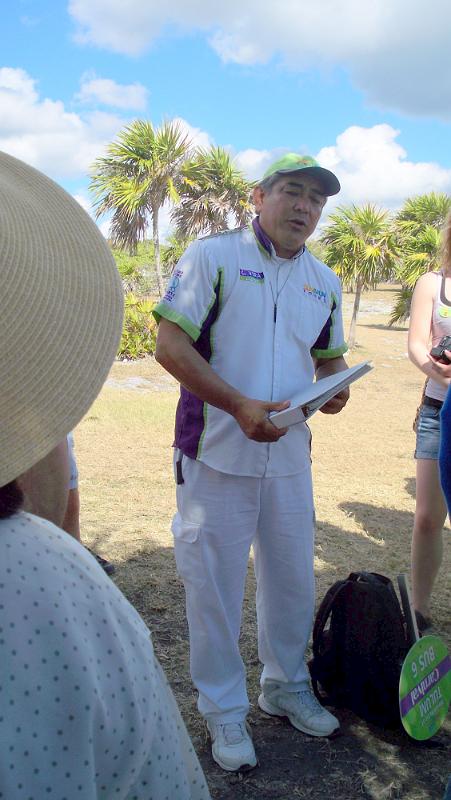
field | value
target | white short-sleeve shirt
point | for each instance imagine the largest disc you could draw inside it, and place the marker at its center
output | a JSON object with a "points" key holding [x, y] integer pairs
{"points": [[257, 319]]}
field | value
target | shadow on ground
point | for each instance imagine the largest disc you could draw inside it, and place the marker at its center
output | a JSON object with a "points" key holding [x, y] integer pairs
{"points": [[379, 326], [362, 762]]}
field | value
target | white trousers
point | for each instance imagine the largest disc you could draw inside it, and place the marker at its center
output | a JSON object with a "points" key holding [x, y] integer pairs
{"points": [[219, 516]]}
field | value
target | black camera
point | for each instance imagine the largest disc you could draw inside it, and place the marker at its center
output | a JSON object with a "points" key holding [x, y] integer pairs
{"points": [[438, 352]]}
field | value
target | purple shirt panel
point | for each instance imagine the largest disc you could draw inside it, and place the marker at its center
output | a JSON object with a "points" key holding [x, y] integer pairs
{"points": [[189, 417]]}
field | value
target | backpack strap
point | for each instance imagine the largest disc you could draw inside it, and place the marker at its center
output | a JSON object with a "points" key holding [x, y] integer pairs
{"points": [[324, 611], [376, 580], [373, 578], [322, 616]]}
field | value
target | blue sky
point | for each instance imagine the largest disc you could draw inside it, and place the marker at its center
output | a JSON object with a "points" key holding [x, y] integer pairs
{"points": [[366, 89]]}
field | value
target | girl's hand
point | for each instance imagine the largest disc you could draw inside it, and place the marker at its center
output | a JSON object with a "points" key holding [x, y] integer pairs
{"points": [[442, 370]]}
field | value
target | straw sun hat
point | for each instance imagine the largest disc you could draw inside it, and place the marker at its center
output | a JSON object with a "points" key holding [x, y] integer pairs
{"points": [[61, 309]]}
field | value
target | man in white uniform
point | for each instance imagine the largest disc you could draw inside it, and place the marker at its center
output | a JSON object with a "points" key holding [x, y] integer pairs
{"points": [[249, 319]]}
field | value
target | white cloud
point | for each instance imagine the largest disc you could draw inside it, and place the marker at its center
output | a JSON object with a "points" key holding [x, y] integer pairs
{"points": [[397, 52], [370, 162], [240, 51], [105, 228], [164, 223], [85, 203], [165, 228], [43, 133], [115, 25], [254, 162], [373, 167], [197, 137], [130, 27], [109, 93], [63, 144]]}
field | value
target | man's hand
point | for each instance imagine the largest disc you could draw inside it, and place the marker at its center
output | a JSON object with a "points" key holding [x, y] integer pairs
{"points": [[331, 366], [336, 403], [176, 354], [252, 417]]}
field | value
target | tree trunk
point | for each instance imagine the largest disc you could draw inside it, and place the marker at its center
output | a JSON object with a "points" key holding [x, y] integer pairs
{"points": [[355, 311], [156, 245]]}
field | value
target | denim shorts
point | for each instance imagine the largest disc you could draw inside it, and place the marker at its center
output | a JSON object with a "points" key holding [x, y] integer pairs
{"points": [[428, 433]]}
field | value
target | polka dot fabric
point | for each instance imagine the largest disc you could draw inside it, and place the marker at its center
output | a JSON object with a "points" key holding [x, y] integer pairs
{"points": [[85, 709]]}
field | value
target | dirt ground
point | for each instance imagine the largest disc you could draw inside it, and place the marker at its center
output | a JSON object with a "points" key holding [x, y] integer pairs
{"points": [[364, 477]]}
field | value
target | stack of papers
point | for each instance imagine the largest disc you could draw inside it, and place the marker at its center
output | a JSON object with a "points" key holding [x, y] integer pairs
{"points": [[311, 399]]}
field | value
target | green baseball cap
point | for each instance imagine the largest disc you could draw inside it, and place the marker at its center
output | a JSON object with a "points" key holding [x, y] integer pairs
{"points": [[292, 162]]}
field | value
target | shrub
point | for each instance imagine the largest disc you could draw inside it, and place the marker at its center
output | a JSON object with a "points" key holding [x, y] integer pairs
{"points": [[140, 329], [137, 271]]}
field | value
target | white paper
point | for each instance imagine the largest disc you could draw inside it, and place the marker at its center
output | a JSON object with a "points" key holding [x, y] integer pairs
{"points": [[311, 399]]}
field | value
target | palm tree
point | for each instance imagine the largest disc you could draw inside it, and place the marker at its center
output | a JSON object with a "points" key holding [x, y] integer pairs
{"points": [[213, 193], [360, 247], [424, 209], [417, 228], [134, 180], [317, 248]]}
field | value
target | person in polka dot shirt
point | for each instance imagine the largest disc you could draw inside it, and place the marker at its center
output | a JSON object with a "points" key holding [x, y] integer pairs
{"points": [[85, 709]]}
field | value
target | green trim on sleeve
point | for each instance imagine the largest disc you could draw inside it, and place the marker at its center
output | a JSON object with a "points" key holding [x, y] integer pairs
{"points": [[333, 353], [162, 310]]}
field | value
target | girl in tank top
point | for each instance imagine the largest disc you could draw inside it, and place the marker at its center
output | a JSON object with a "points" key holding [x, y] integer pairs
{"points": [[430, 320]]}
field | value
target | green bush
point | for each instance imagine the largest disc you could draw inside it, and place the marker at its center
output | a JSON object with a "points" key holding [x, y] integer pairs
{"points": [[140, 329], [137, 271]]}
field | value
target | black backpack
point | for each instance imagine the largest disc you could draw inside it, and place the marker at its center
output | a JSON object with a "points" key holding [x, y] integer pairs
{"points": [[357, 659]]}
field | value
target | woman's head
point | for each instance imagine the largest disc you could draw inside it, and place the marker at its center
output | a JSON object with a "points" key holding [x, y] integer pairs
{"points": [[60, 315]]}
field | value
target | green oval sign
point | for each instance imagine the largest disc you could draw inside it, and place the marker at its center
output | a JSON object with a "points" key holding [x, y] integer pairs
{"points": [[425, 687]]}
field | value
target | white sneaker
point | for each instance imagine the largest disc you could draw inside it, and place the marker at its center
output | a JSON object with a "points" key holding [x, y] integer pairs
{"points": [[231, 745], [302, 709]]}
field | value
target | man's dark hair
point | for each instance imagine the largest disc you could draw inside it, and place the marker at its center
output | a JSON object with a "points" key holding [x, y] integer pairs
{"points": [[267, 184], [11, 499]]}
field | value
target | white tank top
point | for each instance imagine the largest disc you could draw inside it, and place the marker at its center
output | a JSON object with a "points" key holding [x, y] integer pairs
{"points": [[441, 326]]}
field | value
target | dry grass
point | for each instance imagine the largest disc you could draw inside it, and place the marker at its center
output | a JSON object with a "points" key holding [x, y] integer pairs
{"points": [[364, 487]]}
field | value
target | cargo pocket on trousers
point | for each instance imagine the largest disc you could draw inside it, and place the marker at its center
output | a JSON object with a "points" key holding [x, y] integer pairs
{"points": [[188, 551]]}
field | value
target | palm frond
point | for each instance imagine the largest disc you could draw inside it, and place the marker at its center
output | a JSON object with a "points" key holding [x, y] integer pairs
{"points": [[359, 244], [401, 309], [137, 175], [213, 194], [418, 230]]}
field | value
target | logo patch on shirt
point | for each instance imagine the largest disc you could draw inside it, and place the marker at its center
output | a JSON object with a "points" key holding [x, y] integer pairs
{"points": [[172, 286], [444, 311], [250, 275], [317, 294]]}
